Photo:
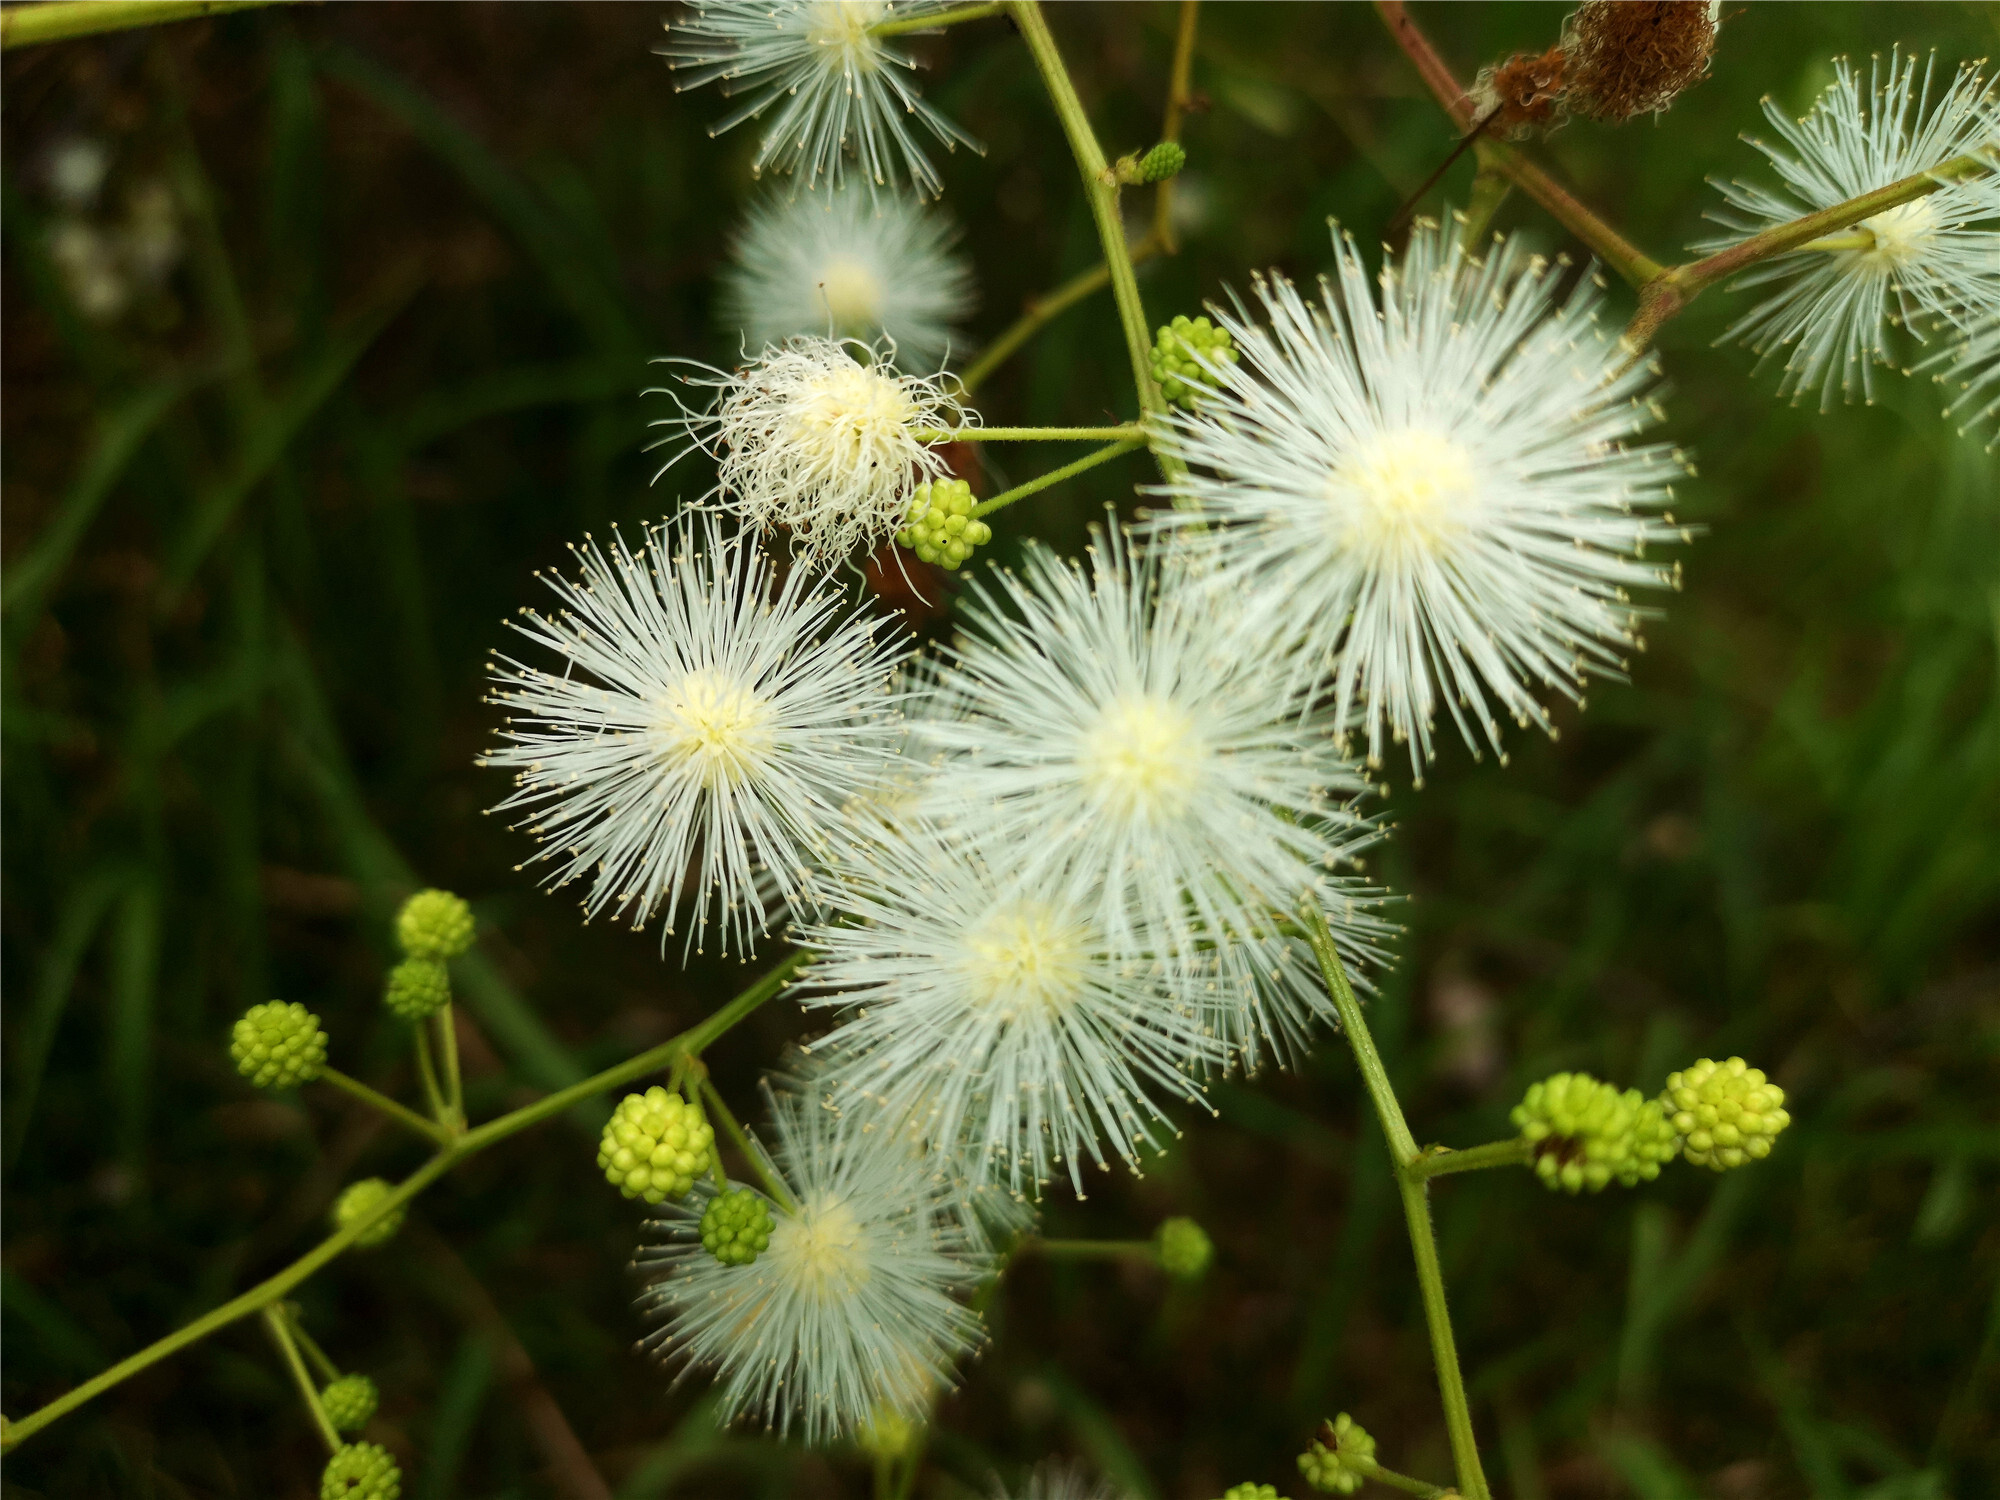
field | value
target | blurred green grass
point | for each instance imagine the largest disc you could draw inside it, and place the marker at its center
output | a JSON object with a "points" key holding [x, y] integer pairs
{"points": [[263, 526]]}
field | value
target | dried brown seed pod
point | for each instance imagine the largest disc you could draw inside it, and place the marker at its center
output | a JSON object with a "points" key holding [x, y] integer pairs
{"points": [[1516, 96], [1632, 57]]}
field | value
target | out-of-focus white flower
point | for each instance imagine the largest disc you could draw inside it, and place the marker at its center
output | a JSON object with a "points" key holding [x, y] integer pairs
{"points": [[810, 438], [1056, 1480], [1831, 303], [705, 727], [852, 265], [838, 86], [853, 1309], [1430, 495], [1971, 367]]}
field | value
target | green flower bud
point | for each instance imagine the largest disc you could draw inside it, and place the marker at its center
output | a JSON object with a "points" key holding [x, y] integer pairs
{"points": [[1728, 1113], [278, 1044], [1178, 349], [1585, 1133], [940, 528], [1251, 1492], [1183, 1249], [1335, 1460], [349, 1402], [1163, 161], [655, 1146], [887, 1434], [357, 1202], [434, 924], [417, 988], [361, 1471], [736, 1227]]}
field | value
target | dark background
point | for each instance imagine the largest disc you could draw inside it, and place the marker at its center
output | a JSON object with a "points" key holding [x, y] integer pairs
{"points": [[264, 518]]}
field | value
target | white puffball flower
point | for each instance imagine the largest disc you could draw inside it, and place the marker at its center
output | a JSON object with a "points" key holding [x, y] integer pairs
{"points": [[1430, 495], [1057, 1480], [1933, 259], [854, 1307], [839, 86], [1971, 367], [985, 1001], [850, 264], [809, 438], [702, 731], [1113, 725]]}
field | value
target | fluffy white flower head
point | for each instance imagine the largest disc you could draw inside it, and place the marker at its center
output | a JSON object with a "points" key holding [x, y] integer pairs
{"points": [[851, 264], [703, 731], [812, 439], [839, 86], [1430, 494], [1971, 367], [853, 1308], [1832, 304]]}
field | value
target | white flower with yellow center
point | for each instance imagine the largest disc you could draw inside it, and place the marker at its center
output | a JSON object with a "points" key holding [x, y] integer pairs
{"points": [[855, 1306], [992, 1009], [1113, 733], [702, 733], [850, 264], [1831, 304], [1430, 494], [839, 86], [809, 438]]}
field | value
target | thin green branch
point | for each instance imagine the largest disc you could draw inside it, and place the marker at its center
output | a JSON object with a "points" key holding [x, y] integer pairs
{"points": [[427, 1078], [454, 1084], [1440, 1161], [277, 1322], [328, 1370], [933, 22], [1041, 310], [716, 1105], [1088, 1249], [65, 20], [1056, 476], [1368, 1468], [1179, 90], [430, 1130], [1029, 434]]}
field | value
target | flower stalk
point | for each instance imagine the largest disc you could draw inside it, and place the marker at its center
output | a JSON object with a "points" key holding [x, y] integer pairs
{"points": [[277, 1321]]}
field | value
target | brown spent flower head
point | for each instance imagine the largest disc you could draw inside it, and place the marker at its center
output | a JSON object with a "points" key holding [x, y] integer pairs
{"points": [[1525, 92], [1632, 57]]}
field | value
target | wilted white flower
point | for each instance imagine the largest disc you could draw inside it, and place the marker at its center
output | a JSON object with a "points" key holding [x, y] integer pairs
{"points": [[987, 1003], [704, 728], [1971, 367], [1831, 303], [1434, 498], [1110, 728], [853, 1308], [849, 264], [812, 439], [838, 86]]}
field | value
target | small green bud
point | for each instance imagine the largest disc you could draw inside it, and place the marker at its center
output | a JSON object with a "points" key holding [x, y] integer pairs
{"points": [[1335, 1461], [1728, 1113], [278, 1044], [887, 1434], [655, 1145], [736, 1227], [1178, 349], [1163, 161], [434, 924], [1251, 1492], [1585, 1133], [361, 1471], [417, 988], [349, 1402], [358, 1201], [1183, 1249], [941, 529]]}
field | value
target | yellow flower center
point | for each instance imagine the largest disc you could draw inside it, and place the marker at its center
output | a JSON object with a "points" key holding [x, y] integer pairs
{"points": [[819, 1250], [847, 415], [1901, 233], [1025, 957], [841, 27], [1401, 494], [853, 294], [1141, 757], [716, 726]]}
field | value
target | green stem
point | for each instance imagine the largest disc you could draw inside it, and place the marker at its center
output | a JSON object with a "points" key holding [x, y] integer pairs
{"points": [[1030, 434], [1439, 1161], [1372, 1470], [427, 1070], [1041, 310], [1089, 1249], [65, 20], [276, 1321], [1056, 476], [713, 1101], [933, 22], [1489, 191], [1416, 1207], [454, 1084], [328, 1370], [428, 1129], [1179, 90]]}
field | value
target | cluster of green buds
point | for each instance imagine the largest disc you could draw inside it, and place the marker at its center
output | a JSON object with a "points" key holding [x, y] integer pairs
{"points": [[655, 1145], [1178, 349], [357, 1202], [1252, 1492], [432, 928], [736, 1227], [278, 1044], [1156, 165], [349, 1402], [941, 528], [361, 1471], [1727, 1114], [1584, 1133], [1340, 1458], [1183, 1249]]}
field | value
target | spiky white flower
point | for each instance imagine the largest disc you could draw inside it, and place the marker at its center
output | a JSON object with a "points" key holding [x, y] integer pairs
{"points": [[1056, 1480], [839, 85], [704, 728], [1831, 303], [809, 438], [1971, 367], [854, 1307], [1110, 729], [986, 1002], [851, 264], [1433, 497]]}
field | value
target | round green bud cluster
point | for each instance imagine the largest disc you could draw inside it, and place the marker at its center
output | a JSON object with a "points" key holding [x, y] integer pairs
{"points": [[1728, 1114], [278, 1044], [655, 1146], [417, 989], [361, 1471], [1251, 1492], [357, 1202], [1163, 161], [1585, 1133], [349, 1402], [1183, 1249], [940, 528], [887, 1434], [1175, 348], [736, 1227], [1335, 1461], [435, 925]]}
